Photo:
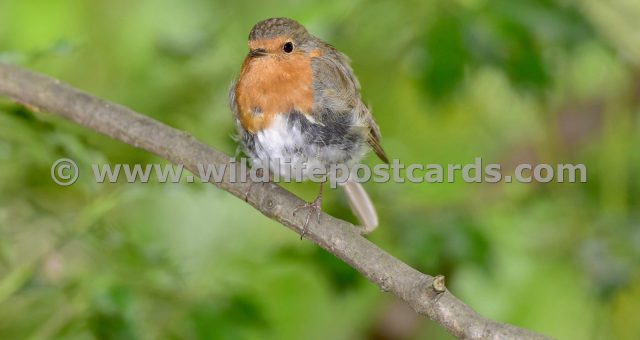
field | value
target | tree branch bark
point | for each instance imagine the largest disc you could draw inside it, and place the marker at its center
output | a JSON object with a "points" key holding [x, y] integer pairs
{"points": [[426, 294]]}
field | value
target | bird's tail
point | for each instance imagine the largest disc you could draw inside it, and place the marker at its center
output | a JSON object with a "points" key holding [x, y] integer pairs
{"points": [[361, 206]]}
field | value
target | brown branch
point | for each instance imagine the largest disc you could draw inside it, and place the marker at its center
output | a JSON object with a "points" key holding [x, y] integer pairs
{"points": [[426, 295]]}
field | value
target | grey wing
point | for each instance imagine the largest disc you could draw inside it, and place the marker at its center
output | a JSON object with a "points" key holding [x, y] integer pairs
{"points": [[334, 86], [232, 98], [338, 90], [233, 105]]}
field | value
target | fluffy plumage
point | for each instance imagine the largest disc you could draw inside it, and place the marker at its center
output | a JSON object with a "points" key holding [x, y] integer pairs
{"points": [[301, 102]]}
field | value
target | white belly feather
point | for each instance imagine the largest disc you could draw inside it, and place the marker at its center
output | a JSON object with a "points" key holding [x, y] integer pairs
{"points": [[286, 147]]}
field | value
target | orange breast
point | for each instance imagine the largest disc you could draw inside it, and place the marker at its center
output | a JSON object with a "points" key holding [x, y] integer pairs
{"points": [[273, 85]]}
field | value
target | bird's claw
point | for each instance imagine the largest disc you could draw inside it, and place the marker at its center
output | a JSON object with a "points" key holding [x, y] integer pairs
{"points": [[314, 207]]}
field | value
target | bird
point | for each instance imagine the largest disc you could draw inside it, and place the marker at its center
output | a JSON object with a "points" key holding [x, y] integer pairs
{"points": [[297, 99]]}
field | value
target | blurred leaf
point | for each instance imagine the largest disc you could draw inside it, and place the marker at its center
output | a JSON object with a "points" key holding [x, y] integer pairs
{"points": [[237, 318], [447, 55], [516, 37], [109, 316]]}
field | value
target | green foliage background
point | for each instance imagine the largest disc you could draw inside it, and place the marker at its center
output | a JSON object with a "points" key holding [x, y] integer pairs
{"points": [[524, 81]]}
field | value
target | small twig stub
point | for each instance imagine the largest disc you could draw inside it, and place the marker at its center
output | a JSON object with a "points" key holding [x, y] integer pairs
{"points": [[438, 284]]}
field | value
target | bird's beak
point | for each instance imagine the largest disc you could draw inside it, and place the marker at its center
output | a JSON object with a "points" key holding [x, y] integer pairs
{"points": [[258, 52]]}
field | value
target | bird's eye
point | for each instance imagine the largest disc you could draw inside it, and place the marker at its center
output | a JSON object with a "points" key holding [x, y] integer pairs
{"points": [[287, 47]]}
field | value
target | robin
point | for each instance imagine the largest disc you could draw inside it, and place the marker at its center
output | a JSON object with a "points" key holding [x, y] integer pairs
{"points": [[297, 99]]}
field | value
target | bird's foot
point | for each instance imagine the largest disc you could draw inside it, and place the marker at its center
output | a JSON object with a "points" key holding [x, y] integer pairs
{"points": [[314, 207]]}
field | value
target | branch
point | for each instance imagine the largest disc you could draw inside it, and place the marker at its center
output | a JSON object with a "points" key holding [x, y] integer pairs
{"points": [[426, 294]]}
